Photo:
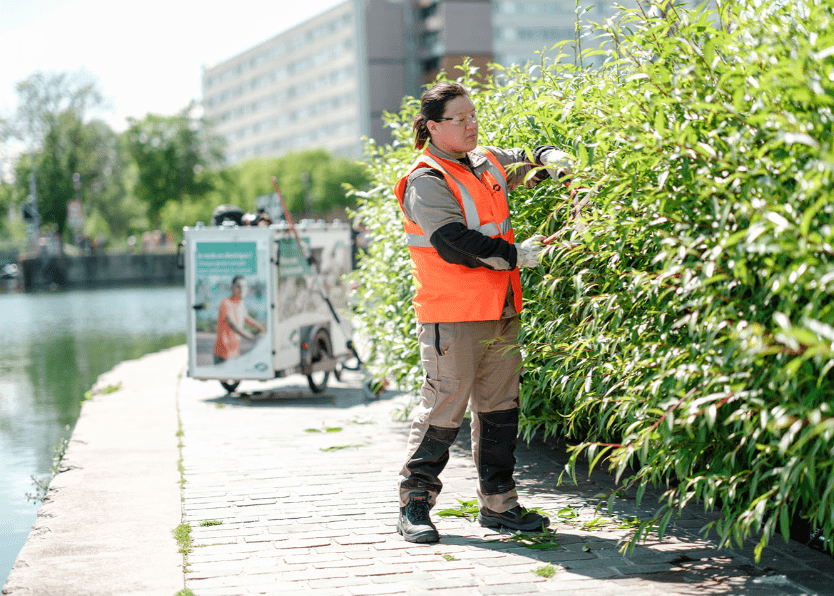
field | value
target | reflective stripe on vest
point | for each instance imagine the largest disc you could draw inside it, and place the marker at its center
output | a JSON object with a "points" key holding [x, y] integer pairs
{"points": [[470, 209]]}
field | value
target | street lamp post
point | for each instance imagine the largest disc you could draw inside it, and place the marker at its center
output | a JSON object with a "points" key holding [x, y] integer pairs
{"points": [[76, 211], [30, 211]]}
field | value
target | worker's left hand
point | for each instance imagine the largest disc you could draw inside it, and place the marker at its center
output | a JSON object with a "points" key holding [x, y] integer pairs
{"points": [[530, 251], [557, 163]]}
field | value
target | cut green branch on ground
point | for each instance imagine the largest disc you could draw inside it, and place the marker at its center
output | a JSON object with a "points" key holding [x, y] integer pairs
{"points": [[210, 522], [567, 513], [466, 509], [596, 524], [545, 540], [340, 447]]}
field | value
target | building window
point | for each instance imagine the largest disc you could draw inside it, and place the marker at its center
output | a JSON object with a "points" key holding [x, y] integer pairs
{"points": [[544, 34], [501, 7], [533, 34]]}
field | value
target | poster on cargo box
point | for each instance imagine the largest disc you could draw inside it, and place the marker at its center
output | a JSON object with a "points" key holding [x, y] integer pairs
{"points": [[231, 306]]}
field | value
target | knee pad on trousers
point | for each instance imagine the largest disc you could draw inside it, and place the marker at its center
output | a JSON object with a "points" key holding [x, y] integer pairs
{"points": [[428, 461], [497, 440]]}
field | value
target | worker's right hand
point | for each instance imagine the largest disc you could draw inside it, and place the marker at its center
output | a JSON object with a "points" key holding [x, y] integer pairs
{"points": [[529, 251], [558, 163]]}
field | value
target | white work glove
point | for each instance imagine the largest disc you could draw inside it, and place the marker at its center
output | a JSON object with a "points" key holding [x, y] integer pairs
{"points": [[557, 163], [529, 251]]}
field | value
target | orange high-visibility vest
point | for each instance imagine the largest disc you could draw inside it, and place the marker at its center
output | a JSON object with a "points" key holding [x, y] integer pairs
{"points": [[452, 293]]}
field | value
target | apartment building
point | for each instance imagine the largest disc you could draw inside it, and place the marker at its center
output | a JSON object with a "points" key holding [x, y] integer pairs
{"points": [[326, 82], [299, 89]]}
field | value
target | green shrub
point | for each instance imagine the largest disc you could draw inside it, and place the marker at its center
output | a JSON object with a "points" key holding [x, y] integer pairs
{"points": [[682, 331]]}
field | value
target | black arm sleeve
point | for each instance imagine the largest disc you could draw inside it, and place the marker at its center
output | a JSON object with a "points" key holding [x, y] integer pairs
{"points": [[457, 244]]}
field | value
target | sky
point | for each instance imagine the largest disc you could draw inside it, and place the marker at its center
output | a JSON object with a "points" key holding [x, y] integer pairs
{"points": [[147, 56]]}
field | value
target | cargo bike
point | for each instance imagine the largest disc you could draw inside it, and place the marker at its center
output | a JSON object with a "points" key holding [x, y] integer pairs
{"points": [[265, 302]]}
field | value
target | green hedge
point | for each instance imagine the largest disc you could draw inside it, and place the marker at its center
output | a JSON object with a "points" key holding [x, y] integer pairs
{"points": [[682, 329]]}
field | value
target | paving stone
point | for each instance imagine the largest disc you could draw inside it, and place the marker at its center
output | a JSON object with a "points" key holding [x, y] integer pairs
{"points": [[336, 583], [222, 591], [315, 574], [449, 582], [197, 556], [378, 589], [413, 577], [341, 591], [509, 589], [294, 543], [502, 579], [237, 547], [589, 573], [343, 562], [308, 558], [375, 570]]}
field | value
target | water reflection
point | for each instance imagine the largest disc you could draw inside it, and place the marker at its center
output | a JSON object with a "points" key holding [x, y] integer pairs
{"points": [[53, 347]]}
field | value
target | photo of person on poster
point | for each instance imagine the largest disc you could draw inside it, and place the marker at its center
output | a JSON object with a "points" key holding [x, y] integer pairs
{"points": [[232, 320]]}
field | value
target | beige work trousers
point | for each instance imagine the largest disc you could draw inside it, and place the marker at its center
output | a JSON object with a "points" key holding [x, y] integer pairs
{"points": [[475, 364]]}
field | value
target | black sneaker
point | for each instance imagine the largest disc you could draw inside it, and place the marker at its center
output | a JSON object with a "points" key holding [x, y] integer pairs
{"points": [[514, 519], [415, 523]]}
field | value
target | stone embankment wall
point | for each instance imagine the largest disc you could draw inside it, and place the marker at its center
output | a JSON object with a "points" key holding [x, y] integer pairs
{"points": [[99, 270]]}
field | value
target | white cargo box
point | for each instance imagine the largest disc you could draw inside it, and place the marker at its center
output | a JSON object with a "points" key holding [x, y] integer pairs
{"points": [[258, 308]]}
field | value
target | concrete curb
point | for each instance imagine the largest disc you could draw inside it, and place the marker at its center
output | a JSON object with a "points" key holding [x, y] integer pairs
{"points": [[105, 527]]}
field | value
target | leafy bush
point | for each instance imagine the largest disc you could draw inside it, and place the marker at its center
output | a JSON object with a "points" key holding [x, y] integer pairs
{"points": [[682, 330]]}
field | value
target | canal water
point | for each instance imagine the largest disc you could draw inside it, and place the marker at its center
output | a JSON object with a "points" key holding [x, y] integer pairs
{"points": [[53, 347]]}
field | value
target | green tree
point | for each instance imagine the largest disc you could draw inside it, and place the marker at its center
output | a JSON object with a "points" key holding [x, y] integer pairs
{"points": [[63, 155], [52, 123], [109, 209], [313, 183], [44, 96], [10, 229], [90, 150], [168, 154]]}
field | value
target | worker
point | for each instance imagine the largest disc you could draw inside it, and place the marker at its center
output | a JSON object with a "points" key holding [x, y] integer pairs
{"points": [[465, 263]]}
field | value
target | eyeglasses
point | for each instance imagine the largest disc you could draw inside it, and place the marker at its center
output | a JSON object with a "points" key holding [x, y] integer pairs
{"points": [[460, 120]]}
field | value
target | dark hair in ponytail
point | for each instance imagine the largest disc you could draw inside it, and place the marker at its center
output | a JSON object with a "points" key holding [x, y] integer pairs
{"points": [[432, 105]]}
